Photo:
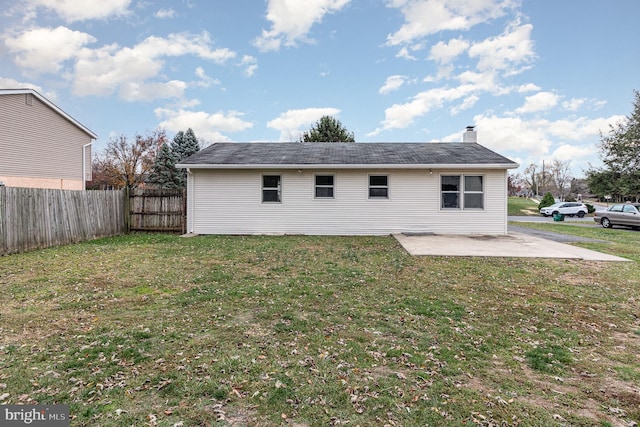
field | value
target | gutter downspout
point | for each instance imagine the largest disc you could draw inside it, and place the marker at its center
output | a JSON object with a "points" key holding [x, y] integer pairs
{"points": [[84, 165], [190, 208]]}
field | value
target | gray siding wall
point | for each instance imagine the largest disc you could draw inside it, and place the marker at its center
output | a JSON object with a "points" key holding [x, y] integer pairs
{"points": [[229, 202], [37, 142]]}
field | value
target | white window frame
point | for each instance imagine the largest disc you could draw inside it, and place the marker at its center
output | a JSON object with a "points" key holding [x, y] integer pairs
{"points": [[465, 192], [332, 186], [462, 192], [458, 192], [278, 188], [377, 187]]}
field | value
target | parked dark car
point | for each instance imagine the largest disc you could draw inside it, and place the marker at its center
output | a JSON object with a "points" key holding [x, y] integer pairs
{"points": [[627, 214]]}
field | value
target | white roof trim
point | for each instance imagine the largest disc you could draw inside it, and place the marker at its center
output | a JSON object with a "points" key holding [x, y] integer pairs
{"points": [[52, 106], [437, 166]]}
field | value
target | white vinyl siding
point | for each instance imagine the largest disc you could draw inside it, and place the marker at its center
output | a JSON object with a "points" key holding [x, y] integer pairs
{"points": [[230, 202]]}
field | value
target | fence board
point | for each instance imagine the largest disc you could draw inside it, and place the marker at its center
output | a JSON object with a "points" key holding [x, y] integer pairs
{"points": [[158, 210], [34, 218]]}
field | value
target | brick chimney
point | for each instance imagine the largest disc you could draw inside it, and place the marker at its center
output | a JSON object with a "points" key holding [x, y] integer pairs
{"points": [[470, 135]]}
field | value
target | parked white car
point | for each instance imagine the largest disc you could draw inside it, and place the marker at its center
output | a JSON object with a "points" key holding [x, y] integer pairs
{"points": [[566, 208]]}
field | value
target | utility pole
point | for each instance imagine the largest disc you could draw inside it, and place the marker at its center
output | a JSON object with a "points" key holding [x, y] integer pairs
{"points": [[543, 177]]}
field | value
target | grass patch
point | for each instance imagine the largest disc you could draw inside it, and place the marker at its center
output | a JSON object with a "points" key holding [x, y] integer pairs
{"points": [[158, 330], [522, 206], [549, 359]]}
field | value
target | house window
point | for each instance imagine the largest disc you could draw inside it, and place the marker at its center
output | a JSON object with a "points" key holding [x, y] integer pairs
{"points": [[271, 189], [470, 187], [378, 186], [473, 192], [450, 190], [324, 186]]}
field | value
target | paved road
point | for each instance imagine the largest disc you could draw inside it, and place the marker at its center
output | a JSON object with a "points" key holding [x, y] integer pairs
{"points": [[550, 235], [586, 220], [558, 237]]}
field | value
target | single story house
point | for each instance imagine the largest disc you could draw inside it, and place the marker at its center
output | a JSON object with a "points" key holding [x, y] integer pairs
{"points": [[41, 145], [347, 188]]}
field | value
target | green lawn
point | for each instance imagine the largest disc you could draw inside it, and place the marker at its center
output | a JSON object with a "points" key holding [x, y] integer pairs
{"points": [[520, 206], [316, 331]]}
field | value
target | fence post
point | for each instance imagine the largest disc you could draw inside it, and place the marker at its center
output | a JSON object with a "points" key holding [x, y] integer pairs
{"points": [[127, 210], [4, 246], [183, 219]]}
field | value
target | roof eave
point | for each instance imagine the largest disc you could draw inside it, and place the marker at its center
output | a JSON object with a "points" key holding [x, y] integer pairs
{"points": [[351, 166]]}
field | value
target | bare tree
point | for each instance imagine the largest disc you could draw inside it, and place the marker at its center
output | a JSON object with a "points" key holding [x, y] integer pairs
{"points": [[127, 163], [560, 177], [516, 185]]}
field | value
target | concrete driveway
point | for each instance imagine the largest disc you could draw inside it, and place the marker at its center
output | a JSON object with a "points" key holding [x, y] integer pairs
{"points": [[514, 244]]}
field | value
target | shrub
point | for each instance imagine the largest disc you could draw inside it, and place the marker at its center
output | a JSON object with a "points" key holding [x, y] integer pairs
{"points": [[547, 200], [590, 207]]}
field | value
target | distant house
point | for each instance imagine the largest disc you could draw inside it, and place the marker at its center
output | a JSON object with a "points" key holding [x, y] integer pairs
{"points": [[347, 188], [41, 145]]}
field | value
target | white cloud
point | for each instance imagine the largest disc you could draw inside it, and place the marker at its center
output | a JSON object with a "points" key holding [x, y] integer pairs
{"points": [[208, 126], [290, 122], [425, 17], [573, 104], [166, 13], [291, 21], [468, 102], [147, 91], [527, 87], [400, 116], [514, 134], [205, 81], [581, 128], [392, 83], [250, 65], [404, 53], [481, 81], [102, 71], [568, 152], [45, 49], [541, 138], [444, 53], [541, 101], [505, 52], [72, 10]]}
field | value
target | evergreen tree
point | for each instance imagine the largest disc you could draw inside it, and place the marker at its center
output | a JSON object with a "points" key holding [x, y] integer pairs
{"points": [[328, 129], [547, 200], [164, 173], [184, 145]]}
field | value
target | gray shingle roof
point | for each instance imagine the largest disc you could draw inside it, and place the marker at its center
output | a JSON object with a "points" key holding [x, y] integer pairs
{"points": [[345, 154]]}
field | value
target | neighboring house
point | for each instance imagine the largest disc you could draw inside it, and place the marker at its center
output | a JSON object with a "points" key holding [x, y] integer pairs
{"points": [[347, 188], [41, 145]]}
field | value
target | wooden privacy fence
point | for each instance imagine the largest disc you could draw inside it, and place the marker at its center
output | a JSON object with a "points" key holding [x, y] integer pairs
{"points": [[33, 218], [158, 210]]}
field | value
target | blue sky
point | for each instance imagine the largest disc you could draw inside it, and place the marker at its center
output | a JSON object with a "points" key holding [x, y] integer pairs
{"points": [[538, 78]]}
